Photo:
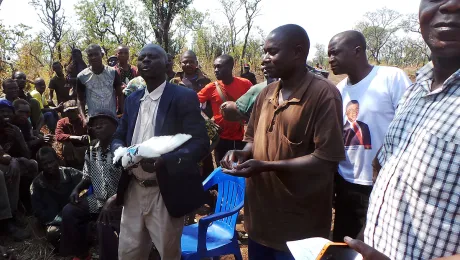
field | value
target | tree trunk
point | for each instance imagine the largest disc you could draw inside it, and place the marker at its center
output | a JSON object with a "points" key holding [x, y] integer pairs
{"points": [[59, 50]]}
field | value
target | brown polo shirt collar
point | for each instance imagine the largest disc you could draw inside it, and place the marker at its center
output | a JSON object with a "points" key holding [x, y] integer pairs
{"points": [[303, 85]]}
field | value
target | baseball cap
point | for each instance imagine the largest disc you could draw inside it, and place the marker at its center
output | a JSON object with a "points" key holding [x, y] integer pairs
{"points": [[246, 65], [103, 113], [5, 103], [70, 105]]}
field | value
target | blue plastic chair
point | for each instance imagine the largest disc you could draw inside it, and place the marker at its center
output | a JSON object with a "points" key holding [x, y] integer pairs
{"points": [[215, 235]]}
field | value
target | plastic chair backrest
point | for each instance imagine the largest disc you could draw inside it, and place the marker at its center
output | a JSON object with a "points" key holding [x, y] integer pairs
{"points": [[230, 193]]}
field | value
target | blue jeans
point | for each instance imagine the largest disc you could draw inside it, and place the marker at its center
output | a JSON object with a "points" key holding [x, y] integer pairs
{"points": [[257, 251], [51, 119]]}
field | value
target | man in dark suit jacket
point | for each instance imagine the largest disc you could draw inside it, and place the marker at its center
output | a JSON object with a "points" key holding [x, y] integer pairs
{"points": [[159, 192], [355, 133]]}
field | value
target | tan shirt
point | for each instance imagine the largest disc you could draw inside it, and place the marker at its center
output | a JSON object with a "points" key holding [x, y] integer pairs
{"points": [[282, 206], [145, 124]]}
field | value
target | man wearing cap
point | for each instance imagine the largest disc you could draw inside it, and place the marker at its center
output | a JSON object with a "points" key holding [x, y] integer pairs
{"points": [[249, 75], [12, 148], [159, 192], [73, 134], [100, 173], [112, 61]]}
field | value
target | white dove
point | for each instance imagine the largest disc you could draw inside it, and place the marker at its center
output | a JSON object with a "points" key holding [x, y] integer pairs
{"points": [[152, 148]]}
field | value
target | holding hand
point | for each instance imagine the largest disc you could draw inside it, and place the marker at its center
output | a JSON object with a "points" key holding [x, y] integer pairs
{"points": [[368, 253], [74, 197], [151, 164], [234, 157]]}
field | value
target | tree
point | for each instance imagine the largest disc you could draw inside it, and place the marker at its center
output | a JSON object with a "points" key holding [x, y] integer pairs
{"points": [[252, 10], [161, 14], [189, 20], [230, 9], [107, 22], [378, 27], [52, 17], [321, 55]]}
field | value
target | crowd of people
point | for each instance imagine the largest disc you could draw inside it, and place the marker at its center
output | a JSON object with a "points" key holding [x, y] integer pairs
{"points": [[382, 151]]}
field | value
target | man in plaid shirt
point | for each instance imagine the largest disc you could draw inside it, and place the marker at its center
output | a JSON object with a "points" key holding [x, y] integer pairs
{"points": [[414, 210]]}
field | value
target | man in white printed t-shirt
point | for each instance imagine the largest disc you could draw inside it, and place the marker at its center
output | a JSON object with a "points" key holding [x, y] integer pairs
{"points": [[370, 97]]}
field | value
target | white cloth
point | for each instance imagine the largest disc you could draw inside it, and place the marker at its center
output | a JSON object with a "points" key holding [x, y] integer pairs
{"points": [[415, 203], [378, 95], [145, 124]]}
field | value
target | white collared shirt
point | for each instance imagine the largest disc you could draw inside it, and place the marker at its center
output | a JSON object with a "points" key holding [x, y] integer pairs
{"points": [[145, 123]]}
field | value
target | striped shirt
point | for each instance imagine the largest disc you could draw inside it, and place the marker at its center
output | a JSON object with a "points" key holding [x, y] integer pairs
{"points": [[414, 210]]}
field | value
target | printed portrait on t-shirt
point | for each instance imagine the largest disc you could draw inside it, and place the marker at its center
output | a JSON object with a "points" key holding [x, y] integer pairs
{"points": [[355, 132]]}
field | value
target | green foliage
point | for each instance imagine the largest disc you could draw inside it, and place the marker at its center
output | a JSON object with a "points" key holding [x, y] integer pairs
{"points": [[161, 14]]}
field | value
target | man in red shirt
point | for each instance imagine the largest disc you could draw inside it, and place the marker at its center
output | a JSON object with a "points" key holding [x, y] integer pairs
{"points": [[226, 88]]}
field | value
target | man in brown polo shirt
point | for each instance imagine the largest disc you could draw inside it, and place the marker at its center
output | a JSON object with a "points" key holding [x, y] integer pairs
{"points": [[295, 141]]}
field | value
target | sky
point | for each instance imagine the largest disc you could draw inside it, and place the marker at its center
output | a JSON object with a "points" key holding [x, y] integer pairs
{"points": [[322, 19]]}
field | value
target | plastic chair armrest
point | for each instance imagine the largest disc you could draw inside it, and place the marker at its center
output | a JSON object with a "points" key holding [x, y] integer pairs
{"points": [[204, 222]]}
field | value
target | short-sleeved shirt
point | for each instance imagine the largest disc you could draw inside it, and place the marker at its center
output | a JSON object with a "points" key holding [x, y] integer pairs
{"points": [[40, 98], [246, 101], [100, 89], [103, 174], [126, 75], [376, 98], [284, 206], [414, 208], [233, 91], [58, 84]]}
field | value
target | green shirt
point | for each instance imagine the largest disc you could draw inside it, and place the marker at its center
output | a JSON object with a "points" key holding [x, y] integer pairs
{"points": [[246, 101]]}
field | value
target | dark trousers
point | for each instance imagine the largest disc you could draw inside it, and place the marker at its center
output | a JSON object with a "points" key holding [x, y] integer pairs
{"points": [[224, 146], [257, 251], [75, 228], [351, 203]]}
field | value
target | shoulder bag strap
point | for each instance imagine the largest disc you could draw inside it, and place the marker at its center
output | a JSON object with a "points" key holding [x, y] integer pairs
{"points": [[221, 93]]}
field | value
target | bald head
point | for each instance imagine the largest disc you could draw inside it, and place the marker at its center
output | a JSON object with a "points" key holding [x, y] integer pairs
{"points": [[94, 47], [292, 36], [286, 50], [351, 39], [152, 62], [20, 78], [189, 54], [40, 85], [347, 53], [189, 62]]}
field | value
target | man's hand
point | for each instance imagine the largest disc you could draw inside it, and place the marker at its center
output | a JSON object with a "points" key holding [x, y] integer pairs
{"points": [[74, 197], [230, 112], [368, 253], [151, 164], [13, 170], [60, 107], [84, 139], [234, 157], [48, 139], [247, 169], [11, 131]]}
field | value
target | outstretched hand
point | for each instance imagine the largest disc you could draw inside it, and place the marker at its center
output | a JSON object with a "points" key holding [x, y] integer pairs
{"points": [[368, 252]]}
